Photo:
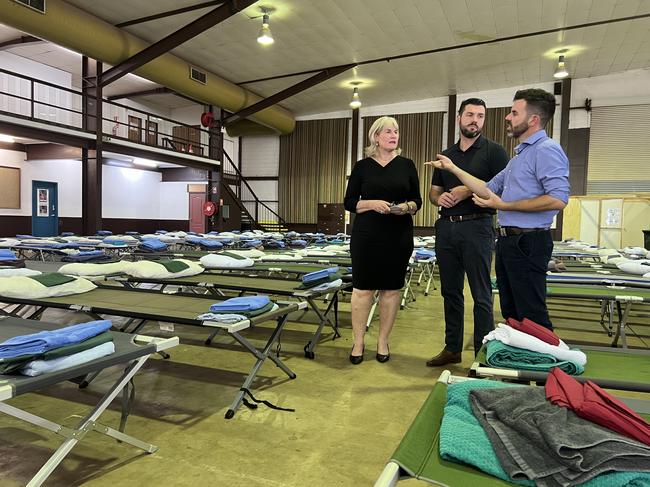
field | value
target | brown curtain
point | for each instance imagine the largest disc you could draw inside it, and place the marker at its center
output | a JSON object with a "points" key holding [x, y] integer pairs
{"points": [[420, 140], [495, 128], [312, 168]]}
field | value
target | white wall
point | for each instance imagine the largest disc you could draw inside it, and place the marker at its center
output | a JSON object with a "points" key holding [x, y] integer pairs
{"points": [[627, 88], [67, 173], [174, 201], [260, 155]]}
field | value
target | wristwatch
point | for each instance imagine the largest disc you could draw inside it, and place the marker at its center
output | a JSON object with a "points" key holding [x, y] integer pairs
{"points": [[411, 209]]}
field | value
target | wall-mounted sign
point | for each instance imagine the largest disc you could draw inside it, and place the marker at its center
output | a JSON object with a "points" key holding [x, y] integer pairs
{"points": [[43, 202]]}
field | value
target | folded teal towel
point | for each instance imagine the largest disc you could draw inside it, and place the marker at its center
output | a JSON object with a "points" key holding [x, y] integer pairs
{"points": [[243, 303], [463, 440], [499, 354]]}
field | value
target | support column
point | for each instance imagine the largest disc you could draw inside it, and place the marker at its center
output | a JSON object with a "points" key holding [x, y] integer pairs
{"points": [[215, 152], [451, 121], [91, 161], [354, 150]]}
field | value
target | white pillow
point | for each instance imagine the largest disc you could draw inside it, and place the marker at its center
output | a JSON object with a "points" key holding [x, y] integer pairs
{"points": [[250, 253], [147, 269], [639, 267], [219, 260], [280, 257], [26, 287], [617, 260], [91, 269], [18, 272]]}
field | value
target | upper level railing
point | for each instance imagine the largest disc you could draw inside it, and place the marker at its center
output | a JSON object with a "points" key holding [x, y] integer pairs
{"points": [[52, 104]]}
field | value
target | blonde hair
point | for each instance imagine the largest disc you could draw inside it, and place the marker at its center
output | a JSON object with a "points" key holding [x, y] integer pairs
{"points": [[380, 124]]}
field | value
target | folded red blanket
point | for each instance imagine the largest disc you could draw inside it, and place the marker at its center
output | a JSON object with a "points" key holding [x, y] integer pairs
{"points": [[532, 328], [591, 402]]}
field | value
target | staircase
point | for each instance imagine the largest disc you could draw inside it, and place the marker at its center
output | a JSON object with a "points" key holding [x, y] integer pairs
{"points": [[255, 214]]}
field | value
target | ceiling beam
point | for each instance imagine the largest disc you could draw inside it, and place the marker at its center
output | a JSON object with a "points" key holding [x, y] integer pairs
{"points": [[18, 41], [175, 39], [168, 13], [462, 46], [324, 75]]}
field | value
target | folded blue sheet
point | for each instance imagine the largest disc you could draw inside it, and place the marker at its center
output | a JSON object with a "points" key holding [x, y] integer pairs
{"points": [[243, 303], [43, 341], [424, 254], [321, 274], [298, 243], [67, 234], [114, 241], [152, 244], [274, 244], [22, 235], [161, 232], [6, 254], [207, 243], [104, 232], [249, 244]]}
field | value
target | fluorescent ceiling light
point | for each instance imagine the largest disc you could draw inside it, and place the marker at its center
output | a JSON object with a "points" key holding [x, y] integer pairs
{"points": [[7, 138], [144, 162]]}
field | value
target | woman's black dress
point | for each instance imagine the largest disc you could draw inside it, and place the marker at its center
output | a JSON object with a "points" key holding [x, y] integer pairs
{"points": [[381, 245]]}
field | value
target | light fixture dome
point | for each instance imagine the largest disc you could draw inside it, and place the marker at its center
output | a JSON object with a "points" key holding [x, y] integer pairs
{"points": [[265, 37], [356, 102], [561, 71]]}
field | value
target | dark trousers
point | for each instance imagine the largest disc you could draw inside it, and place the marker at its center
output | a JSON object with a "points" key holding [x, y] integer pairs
{"points": [[465, 247], [521, 265]]}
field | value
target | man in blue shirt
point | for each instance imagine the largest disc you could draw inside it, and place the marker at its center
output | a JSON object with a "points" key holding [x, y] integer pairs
{"points": [[528, 193], [464, 231]]}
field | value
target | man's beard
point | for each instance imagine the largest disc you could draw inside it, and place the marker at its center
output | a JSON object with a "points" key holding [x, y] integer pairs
{"points": [[517, 130], [468, 134]]}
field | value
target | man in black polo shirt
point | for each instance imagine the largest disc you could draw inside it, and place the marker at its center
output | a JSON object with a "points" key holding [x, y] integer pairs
{"points": [[464, 232]]}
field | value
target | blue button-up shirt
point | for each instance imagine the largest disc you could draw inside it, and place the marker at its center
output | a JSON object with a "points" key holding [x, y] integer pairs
{"points": [[539, 167]]}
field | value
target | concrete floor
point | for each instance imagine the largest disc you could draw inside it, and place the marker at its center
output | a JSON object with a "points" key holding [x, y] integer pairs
{"points": [[348, 419]]}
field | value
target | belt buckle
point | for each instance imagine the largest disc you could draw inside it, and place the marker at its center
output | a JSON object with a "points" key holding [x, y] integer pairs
{"points": [[456, 218]]}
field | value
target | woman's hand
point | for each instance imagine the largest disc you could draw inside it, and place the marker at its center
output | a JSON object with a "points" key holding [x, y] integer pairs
{"points": [[380, 206], [401, 209]]}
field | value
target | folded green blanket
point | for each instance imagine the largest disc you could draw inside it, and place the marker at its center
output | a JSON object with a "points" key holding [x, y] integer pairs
{"points": [[256, 312], [52, 279], [12, 364], [174, 265], [499, 354]]}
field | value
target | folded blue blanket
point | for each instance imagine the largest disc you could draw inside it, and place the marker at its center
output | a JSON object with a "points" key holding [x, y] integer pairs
{"points": [[152, 244], [114, 241], [244, 303], [424, 254], [6, 254], [87, 256], [298, 243], [43, 341], [161, 232], [251, 243], [67, 234], [104, 232], [321, 274], [274, 244]]}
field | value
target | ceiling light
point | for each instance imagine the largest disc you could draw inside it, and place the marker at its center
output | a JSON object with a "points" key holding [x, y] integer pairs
{"points": [[7, 138], [145, 162], [356, 102], [560, 71], [265, 38]]}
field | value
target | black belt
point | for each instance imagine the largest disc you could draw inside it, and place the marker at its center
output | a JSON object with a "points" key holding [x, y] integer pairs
{"points": [[463, 218], [509, 231]]}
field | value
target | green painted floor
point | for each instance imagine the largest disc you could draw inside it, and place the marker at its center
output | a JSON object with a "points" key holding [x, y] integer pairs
{"points": [[348, 419]]}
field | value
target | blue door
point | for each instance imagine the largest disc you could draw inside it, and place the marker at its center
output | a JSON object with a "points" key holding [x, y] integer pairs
{"points": [[45, 206]]}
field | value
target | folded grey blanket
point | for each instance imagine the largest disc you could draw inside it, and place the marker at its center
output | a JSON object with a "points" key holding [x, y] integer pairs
{"points": [[537, 440]]}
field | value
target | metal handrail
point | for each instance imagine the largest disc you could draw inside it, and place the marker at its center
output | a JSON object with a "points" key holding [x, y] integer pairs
{"points": [[258, 202]]}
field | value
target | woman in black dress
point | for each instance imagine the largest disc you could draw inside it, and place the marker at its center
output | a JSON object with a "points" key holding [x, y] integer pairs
{"points": [[384, 192]]}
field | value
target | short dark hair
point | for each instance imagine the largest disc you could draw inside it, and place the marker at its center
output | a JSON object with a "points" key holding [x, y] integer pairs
{"points": [[539, 102], [471, 101]]}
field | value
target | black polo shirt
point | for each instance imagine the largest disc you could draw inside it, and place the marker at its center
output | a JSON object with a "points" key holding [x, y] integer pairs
{"points": [[484, 160]]}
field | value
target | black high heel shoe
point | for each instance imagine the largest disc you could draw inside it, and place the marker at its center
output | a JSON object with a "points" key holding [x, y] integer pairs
{"points": [[357, 359], [381, 358]]}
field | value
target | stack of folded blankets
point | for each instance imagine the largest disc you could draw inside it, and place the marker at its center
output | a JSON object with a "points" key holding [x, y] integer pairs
{"points": [[239, 309], [323, 279], [529, 346], [9, 259], [564, 434], [49, 351], [424, 254]]}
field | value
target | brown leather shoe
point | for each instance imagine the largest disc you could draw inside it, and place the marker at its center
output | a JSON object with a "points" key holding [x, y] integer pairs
{"points": [[445, 357]]}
